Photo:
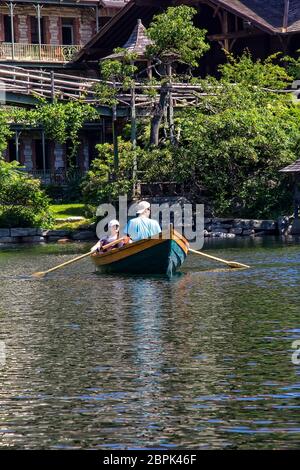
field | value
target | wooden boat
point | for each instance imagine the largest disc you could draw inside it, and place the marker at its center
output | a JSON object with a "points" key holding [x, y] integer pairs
{"points": [[158, 255]]}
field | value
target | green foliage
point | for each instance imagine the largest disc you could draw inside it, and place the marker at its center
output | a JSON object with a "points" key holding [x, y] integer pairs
{"points": [[245, 71], [106, 94], [61, 121], [119, 70], [101, 183], [5, 132], [175, 36], [236, 154], [158, 165], [22, 202], [120, 74], [235, 142], [292, 65]]}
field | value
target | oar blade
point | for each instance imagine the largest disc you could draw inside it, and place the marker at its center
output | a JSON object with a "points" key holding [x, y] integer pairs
{"points": [[39, 274], [235, 265]]}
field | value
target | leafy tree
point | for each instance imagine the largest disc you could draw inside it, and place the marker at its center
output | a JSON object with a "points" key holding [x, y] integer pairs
{"points": [[5, 132], [175, 39], [260, 73], [98, 185], [236, 141], [119, 75]]}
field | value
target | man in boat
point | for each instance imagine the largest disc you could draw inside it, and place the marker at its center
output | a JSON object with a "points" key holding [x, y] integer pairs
{"points": [[112, 235], [142, 226]]}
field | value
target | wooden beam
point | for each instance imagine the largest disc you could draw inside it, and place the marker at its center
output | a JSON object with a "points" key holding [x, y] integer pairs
{"points": [[154, 3], [286, 16], [234, 35]]}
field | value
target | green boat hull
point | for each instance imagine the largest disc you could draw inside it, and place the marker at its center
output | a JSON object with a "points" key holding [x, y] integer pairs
{"points": [[163, 259]]}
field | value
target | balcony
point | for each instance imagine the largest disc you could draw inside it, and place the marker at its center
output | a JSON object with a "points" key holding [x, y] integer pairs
{"points": [[37, 53]]}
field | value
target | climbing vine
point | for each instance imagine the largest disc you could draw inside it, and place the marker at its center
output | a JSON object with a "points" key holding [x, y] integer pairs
{"points": [[5, 132], [61, 121]]}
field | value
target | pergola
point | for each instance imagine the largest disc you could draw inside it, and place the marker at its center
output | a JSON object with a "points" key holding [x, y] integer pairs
{"points": [[294, 171]]}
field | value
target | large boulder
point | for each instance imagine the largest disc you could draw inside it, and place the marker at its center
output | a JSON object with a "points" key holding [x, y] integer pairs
{"points": [[34, 239], [10, 239], [56, 233], [4, 232], [83, 235], [236, 230], [295, 227], [23, 232], [267, 225]]}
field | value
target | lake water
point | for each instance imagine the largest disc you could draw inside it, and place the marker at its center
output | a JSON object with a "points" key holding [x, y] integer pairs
{"points": [[203, 361]]}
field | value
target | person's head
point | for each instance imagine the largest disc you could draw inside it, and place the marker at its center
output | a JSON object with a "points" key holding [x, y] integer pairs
{"points": [[113, 227], [143, 209]]}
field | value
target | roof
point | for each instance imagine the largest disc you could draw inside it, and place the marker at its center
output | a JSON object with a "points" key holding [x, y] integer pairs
{"points": [[271, 16], [136, 44], [293, 168], [276, 16], [113, 3], [116, 31], [102, 3], [68, 3]]}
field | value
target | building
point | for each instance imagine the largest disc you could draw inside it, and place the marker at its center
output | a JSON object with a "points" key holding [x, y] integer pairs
{"points": [[263, 27], [74, 35], [50, 32], [45, 35]]}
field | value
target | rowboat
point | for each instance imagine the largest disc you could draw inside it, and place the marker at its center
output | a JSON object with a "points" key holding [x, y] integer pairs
{"points": [[157, 255]]}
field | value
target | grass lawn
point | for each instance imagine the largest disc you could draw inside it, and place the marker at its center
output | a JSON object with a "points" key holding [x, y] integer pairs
{"points": [[63, 211]]}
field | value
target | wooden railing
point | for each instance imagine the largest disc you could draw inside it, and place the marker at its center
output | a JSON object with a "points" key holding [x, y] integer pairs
{"points": [[37, 53], [52, 85]]}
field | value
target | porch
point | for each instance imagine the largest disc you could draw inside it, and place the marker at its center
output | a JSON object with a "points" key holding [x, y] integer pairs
{"points": [[37, 52]]}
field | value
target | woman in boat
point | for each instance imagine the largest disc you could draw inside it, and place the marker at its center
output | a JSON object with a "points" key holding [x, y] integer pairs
{"points": [[112, 235]]}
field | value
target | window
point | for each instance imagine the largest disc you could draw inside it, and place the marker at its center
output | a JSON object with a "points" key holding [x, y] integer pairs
{"points": [[67, 31], [35, 30], [39, 154], [12, 153], [7, 28]]}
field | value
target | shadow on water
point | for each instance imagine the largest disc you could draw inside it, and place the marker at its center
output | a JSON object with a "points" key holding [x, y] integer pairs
{"points": [[115, 362]]}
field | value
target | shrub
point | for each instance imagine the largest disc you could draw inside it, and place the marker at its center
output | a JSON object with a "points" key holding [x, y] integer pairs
{"points": [[22, 201], [102, 183]]}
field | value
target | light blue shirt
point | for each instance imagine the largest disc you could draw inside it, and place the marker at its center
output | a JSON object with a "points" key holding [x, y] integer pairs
{"points": [[141, 228]]}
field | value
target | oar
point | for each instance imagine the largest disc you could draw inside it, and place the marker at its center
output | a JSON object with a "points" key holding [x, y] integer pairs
{"points": [[43, 273], [232, 264]]}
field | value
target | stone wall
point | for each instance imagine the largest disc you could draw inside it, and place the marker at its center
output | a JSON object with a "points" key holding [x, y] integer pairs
{"points": [[38, 235], [230, 228], [214, 227]]}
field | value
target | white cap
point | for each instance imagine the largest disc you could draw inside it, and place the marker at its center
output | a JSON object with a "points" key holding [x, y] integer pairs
{"points": [[113, 222], [142, 206]]}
